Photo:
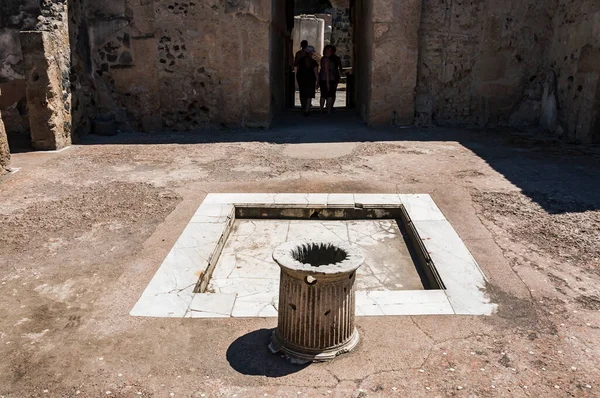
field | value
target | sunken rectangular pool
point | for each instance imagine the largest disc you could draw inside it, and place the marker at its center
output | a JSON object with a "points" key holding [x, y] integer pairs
{"points": [[222, 266]]}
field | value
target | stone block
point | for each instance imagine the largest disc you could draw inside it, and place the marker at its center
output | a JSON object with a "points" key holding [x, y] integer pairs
{"points": [[47, 98]]}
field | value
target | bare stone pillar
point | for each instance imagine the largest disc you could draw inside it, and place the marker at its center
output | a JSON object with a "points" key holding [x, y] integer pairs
{"points": [[48, 99], [4, 149], [395, 54]]}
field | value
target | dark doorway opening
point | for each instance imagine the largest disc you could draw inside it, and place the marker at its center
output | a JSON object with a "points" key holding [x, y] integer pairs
{"points": [[321, 23]]}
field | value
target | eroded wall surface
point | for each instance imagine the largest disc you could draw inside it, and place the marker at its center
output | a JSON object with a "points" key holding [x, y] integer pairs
{"points": [[575, 56], [172, 65], [363, 51], [15, 15], [512, 63], [395, 50], [4, 149], [165, 65], [478, 58]]}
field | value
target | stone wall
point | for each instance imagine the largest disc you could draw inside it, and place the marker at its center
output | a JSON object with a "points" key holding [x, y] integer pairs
{"points": [[575, 57], [490, 63], [477, 59], [341, 36], [4, 149], [394, 61], [166, 65], [15, 15]]}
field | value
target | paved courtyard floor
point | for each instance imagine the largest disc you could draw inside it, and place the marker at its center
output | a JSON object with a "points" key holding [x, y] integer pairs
{"points": [[83, 231]]}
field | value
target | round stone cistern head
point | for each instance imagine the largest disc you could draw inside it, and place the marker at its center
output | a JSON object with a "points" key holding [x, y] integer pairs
{"points": [[316, 300]]}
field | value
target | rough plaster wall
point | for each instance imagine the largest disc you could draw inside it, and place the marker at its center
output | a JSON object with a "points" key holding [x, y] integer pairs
{"points": [[216, 70], [15, 15], [83, 105], [481, 59], [167, 65], [395, 44], [575, 56]]}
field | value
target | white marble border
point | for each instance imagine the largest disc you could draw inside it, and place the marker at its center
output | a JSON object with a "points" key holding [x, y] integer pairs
{"points": [[170, 292]]}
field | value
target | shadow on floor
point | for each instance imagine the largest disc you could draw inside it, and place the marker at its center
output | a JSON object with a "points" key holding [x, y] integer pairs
{"points": [[250, 355], [559, 177]]}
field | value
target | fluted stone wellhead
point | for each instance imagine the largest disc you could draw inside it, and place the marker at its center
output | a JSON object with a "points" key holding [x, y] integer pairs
{"points": [[316, 300]]}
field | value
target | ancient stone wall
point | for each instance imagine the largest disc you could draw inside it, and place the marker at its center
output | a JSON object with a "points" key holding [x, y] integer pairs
{"points": [[83, 87], [47, 65], [519, 64], [575, 57], [341, 36], [280, 56], [166, 65], [15, 15], [394, 61], [480, 59]]}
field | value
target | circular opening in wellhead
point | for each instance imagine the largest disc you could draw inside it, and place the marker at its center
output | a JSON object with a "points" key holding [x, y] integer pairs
{"points": [[318, 254]]}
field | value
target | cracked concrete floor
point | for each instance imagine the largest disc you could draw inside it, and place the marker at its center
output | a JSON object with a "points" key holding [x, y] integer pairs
{"points": [[83, 231]]}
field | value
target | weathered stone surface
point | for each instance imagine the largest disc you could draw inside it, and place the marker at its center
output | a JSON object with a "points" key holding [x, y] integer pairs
{"points": [[49, 115], [193, 64], [575, 56], [4, 149], [394, 61]]}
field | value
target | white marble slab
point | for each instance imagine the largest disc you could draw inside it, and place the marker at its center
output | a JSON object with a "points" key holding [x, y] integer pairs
{"points": [[421, 208], [338, 200], [248, 286], [377, 200], [211, 305], [213, 213], [173, 304], [407, 302], [465, 283]]}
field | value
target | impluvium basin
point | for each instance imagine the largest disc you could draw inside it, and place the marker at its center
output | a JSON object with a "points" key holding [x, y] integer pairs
{"points": [[316, 300]]}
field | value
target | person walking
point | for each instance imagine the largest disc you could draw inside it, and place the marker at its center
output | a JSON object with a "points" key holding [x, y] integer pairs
{"points": [[327, 80], [339, 70], [300, 54], [308, 76]]}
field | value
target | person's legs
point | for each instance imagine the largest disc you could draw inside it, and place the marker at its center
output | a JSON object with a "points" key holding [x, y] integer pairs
{"points": [[308, 104], [333, 94], [323, 89]]}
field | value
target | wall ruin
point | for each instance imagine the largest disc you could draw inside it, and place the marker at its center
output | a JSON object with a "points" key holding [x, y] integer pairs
{"points": [[492, 64], [163, 66]]}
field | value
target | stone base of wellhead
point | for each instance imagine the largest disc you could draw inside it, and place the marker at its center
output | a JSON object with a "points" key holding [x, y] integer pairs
{"points": [[316, 300], [301, 357]]}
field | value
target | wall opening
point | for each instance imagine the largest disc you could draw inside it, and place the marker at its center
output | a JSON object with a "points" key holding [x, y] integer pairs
{"points": [[322, 23]]}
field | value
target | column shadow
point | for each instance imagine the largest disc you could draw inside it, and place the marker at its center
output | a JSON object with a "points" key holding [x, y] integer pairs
{"points": [[250, 355]]}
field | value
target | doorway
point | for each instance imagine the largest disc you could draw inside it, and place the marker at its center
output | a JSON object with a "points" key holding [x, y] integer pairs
{"points": [[321, 23]]}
